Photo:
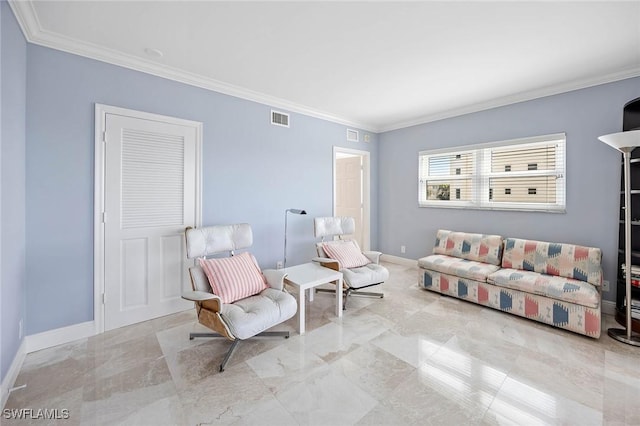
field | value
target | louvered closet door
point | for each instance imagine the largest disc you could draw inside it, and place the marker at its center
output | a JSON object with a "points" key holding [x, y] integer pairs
{"points": [[150, 197]]}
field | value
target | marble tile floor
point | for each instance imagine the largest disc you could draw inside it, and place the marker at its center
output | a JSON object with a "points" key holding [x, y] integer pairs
{"points": [[414, 357]]}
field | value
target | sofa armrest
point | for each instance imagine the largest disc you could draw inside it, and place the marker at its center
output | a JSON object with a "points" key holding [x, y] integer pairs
{"points": [[275, 278], [327, 263], [373, 256], [207, 300]]}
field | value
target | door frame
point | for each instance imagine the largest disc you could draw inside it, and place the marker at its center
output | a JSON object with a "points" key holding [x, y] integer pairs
{"points": [[366, 190], [101, 112]]}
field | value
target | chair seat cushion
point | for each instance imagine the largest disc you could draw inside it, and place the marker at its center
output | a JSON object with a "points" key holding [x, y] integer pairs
{"points": [[347, 253], [477, 271], [559, 288], [234, 278], [365, 275], [255, 314]]}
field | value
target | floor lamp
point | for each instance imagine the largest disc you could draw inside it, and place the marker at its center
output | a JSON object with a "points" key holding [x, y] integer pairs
{"points": [[625, 142], [294, 211]]}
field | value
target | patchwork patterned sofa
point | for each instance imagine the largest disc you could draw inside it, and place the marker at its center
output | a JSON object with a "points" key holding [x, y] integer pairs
{"points": [[557, 284]]}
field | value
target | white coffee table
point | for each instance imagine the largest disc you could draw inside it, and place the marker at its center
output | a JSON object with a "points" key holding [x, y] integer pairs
{"points": [[307, 276]]}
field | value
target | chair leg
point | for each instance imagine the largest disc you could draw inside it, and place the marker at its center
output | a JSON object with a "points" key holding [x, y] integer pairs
{"points": [[192, 336], [345, 293], [284, 334], [351, 292], [228, 355], [367, 294]]}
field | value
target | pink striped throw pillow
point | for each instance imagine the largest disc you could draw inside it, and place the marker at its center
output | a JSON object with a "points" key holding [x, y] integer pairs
{"points": [[234, 278], [345, 252]]}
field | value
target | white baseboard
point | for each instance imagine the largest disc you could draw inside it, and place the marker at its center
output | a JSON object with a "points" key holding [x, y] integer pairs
{"points": [[399, 260], [608, 307], [12, 373], [59, 336]]}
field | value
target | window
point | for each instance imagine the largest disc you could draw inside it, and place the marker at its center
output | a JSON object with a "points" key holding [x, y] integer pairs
{"points": [[522, 174]]}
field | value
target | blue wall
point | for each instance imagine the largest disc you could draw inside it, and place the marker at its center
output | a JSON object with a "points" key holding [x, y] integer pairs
{"points": [[593, 174], [13, 53], [252, 172]]}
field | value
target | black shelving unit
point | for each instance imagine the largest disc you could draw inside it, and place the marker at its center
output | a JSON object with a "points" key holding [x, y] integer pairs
{"points": [[630, 121]]}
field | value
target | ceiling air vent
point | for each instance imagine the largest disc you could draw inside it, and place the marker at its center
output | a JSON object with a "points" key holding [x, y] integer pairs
{"points": [[353, 135], [279, 118]]}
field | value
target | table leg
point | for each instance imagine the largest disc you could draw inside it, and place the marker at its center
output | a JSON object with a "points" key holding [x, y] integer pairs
{"points": [[339, 298], [301, 305]]}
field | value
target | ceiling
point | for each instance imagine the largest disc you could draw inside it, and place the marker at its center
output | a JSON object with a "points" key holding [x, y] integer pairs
{"points": [[374, 65]]}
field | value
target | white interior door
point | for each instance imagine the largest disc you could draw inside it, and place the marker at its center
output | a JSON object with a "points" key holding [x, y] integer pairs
{"points": [[150, 196], [351, 177]]}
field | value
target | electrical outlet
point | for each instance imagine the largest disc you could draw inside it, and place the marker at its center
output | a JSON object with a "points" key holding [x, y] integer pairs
{"points": [[605, 285], [403, 249], [20, 330], [279, 264]]}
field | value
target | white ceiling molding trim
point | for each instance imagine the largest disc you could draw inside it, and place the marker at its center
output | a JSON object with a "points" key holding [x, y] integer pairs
{"points": [[514, 99], [33, 32]]}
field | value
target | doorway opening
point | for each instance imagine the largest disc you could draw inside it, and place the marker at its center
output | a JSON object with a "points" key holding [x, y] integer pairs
{"points": [[351, 189]]}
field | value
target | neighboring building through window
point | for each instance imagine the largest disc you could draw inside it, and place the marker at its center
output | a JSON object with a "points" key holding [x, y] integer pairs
{"points": [[522, 174]]}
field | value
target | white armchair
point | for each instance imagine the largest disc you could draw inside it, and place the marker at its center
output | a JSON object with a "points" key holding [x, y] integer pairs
{"points": [[244, 318], [360, 269]]}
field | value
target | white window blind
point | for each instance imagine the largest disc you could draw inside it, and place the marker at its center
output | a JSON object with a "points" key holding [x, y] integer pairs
{"points": [[522, 174]]}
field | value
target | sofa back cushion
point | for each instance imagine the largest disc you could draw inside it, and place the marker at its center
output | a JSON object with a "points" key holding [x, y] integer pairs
{"points": [[562, 260], [477, 247]]}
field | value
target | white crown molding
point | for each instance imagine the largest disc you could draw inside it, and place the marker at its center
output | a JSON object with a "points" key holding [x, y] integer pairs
{"points": [[516, 98], [35, 34]]}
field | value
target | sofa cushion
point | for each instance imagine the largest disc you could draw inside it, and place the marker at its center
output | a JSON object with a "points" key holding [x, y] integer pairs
{"points": [[463, 268], [558, 288], [365, 275], [254, 314], [476, 247], [563, 260]]}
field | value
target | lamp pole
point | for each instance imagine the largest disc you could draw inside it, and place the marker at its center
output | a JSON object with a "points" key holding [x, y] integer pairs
{"points": [[625, 142]]}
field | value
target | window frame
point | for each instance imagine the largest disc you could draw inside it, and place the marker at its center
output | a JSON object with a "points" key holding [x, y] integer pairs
{"points": [[481, 175]]}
